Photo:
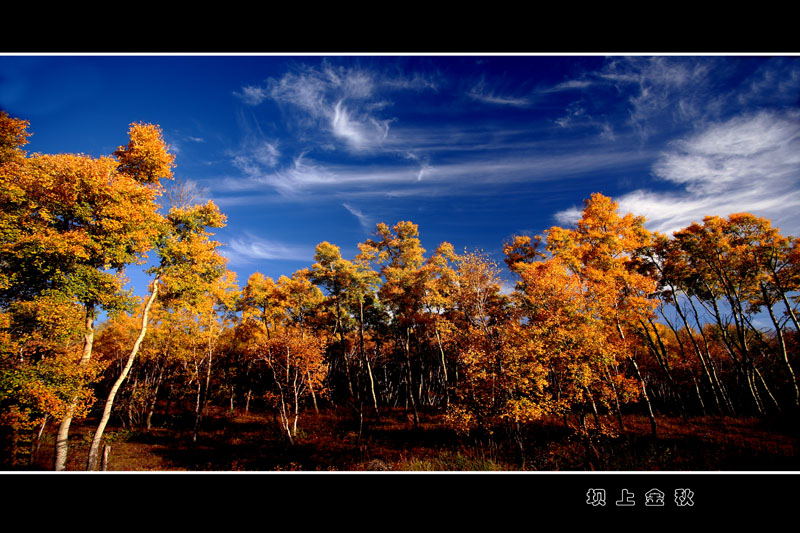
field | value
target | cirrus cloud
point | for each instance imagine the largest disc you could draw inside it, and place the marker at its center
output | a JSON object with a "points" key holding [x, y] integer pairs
{"points": [[749, 163], [345, 102], [249, 248]]}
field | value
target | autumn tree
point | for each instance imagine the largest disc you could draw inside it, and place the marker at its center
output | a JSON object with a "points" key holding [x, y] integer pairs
{"points": [[733, 269], [302, 307], [192, 273], [362, 298], [772, 261], [572, 343], [491, 353], [399, 254], [441, 278], [258, 308], [350, 288], [72, 223], [213, 313], [666, 262], [273, 331], [39, 380], [335, 275], [601, 251]]}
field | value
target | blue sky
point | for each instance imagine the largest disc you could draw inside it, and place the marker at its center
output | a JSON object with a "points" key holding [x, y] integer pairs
{"points": [[474, 149]]}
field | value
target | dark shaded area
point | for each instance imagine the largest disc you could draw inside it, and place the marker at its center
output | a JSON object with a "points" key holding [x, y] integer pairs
{"points": [[339, 440]]}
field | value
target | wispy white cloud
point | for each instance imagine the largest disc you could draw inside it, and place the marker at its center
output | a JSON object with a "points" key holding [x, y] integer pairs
{"points": [[569, 216], [413, 82], [746, 164], [255, 159], [267, 154], [359, 132], [306, 179], [652, 88], [366, 222], [345, 102], [657, 91], [777, 80], [576, 115], [419, 143], [570, 85], [305, 90], [423, 162], [470, 173], [252, 95], [482, 93], [248, 248], [654, 71], [303, 175], [745, 151]]}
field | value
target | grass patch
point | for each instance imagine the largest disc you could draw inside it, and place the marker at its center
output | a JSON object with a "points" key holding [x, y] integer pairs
{"points": [[449, 462]]}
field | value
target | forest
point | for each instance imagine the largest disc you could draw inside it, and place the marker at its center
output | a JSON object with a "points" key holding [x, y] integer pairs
{"points": [[617, 349]]}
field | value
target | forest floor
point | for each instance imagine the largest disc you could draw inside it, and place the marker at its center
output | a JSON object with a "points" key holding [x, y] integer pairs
{"points": [[340, 441]]}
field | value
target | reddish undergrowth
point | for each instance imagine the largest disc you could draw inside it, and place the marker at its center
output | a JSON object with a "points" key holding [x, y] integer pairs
{"points": [[341, 441]]}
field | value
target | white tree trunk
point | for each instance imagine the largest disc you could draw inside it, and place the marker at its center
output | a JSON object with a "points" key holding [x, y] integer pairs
{"points": [[94, 450], [62, 437]]}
